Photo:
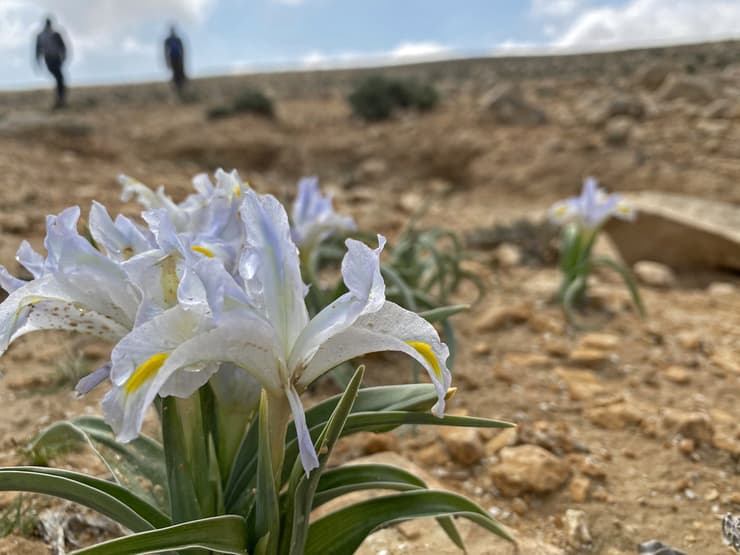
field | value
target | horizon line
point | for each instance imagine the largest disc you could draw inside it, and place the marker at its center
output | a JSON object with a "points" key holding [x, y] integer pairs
{"points": [[369, 60]]}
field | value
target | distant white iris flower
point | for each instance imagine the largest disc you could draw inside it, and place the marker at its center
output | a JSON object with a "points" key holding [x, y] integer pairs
{"points": [[313, 217], [592, 208]]}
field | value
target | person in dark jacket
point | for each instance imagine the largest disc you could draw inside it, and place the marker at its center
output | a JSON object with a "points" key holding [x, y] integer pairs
{"points": [[174, 55], [50, 46]]}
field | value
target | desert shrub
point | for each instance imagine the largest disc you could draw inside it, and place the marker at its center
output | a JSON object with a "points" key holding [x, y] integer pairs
{"points": [[253, 101], [219, 111], [248, 101], [376, 98]]}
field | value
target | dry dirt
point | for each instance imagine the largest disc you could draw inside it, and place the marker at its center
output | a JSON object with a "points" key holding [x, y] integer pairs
{"points": [[638, 425]]}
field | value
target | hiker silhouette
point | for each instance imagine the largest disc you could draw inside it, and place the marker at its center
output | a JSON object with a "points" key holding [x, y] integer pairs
{"points": [[174, 55], [51, 47]]}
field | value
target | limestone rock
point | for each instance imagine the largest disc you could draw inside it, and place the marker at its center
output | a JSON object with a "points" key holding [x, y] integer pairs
{"points": [[506, 103], [576, 527], [578, 489], [508, 255], [590, 358], [599, 341], [505, 438], [652, 76], [654, 274], [582, 385], [464, 444], [618, 130], [528, 468], [685, 87], [498, 317], [677, 374], [692, 425], [686, 233], [615, 416]]}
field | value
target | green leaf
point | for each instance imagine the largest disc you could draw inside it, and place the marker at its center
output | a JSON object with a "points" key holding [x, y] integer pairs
{"points": [[301, 489], [388, 420], [443, 312], [267, 509], [573, 292], [343, 531], [73, 490], [628, 280], [351, 478], [137, 465], [347, 479], [392, 278], [147, 511], [183, 497], [222, 534], [413, 397]]}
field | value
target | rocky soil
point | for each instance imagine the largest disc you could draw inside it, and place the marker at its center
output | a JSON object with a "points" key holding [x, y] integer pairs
{"points": [[627, 432]]}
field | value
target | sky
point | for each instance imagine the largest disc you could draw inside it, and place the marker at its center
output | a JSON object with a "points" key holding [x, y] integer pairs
{"points": [[117, 41]]}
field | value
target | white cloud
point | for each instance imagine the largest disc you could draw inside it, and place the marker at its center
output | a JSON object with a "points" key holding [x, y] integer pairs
{"points": [[132, 45], [15, 24], [314, 58], [555, 8], [513, 47], [418, 50], [645, 22]]}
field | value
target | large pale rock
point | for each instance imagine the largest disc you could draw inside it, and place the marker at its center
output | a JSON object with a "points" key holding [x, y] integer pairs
{"points": [[528, 468], [685, 233]]}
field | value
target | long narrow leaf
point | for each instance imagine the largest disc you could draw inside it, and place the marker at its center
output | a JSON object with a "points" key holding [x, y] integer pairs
{"points": [[222, 534], [629, 281], [267, 510], [138, 465], [147, 511], [349, 479], [305, 487], [443, 312], [389, 420], [343, 531], [71, 490], [183, 497], [413, 397]]}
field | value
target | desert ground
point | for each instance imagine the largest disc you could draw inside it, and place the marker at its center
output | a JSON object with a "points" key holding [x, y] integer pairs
{"points": [[628, 431]]}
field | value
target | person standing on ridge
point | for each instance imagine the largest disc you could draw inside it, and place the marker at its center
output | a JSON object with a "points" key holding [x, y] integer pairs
{"points": [[50, 46], [174, 55]]}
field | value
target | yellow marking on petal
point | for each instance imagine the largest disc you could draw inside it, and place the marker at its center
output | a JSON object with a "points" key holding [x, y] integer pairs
{"points": [[144, 372], [425, 350], [168, 280], [203, 250], [237, 190], [561, 210], [624, 208]]}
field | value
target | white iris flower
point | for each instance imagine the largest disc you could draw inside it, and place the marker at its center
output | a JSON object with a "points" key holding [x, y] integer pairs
{"points": [[262, 326], [592, 208], [313, 217], [211, 286]]}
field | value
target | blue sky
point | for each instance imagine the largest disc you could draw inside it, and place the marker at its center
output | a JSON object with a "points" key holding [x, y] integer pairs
{"points": [[115, 40]]}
